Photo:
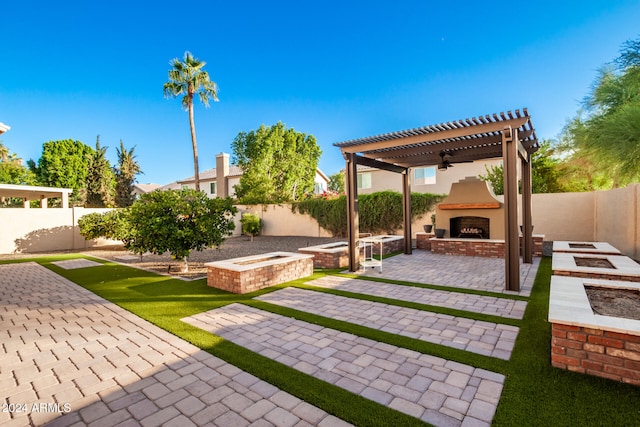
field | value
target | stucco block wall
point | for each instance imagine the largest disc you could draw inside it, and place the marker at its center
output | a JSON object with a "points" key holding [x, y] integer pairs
{"points": [[616, 216], [564, 216], [38, 230]]}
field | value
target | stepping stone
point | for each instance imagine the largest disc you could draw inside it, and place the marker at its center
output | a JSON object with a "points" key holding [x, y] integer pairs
{"points": [[72, 264]]}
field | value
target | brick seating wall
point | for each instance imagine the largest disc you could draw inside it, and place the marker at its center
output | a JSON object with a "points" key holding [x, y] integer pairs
{"points": [[389, 247], [330, 260], [606, 354], [476, 247], [242, 282]]}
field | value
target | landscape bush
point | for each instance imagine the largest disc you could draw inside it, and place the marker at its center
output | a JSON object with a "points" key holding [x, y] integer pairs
{"points": [[251, 224], [380, 212]]}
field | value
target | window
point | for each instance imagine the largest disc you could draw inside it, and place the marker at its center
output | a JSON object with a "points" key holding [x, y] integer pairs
{"points": [[213, 189], [364, 180], [424, 176], [318, 188]]}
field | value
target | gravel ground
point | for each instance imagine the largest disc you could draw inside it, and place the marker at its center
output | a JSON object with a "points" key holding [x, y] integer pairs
{"points": [[233, 247]]}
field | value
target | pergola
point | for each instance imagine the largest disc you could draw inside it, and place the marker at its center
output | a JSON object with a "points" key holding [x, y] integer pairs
{"points": [[29, 192], [507, 135]]}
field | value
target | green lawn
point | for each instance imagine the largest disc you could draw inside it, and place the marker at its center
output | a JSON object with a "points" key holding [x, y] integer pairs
{"points": [[534, 392]]}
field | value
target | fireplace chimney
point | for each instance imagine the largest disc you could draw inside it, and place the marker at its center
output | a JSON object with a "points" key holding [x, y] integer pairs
{"points": [[222, 171]]}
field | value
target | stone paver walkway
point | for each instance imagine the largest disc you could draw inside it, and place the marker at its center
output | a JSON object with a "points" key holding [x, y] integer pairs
{"points": [[476, 303], [441, 392], [458, 271], [69, 357], [486, 338]]}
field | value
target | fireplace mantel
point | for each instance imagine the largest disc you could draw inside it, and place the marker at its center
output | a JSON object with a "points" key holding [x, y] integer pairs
{"points": [[452, 206]]}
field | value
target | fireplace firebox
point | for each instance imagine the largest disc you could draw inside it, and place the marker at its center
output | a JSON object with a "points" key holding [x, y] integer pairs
{"points": [[470, 227]]}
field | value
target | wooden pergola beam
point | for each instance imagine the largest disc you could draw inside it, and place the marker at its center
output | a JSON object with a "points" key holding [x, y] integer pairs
{"points": [[458, 132]]}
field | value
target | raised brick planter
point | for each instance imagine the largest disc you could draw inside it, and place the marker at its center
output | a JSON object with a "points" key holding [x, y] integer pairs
{"points": [[581, 341], [621, 267], [390, 244], [489, 248], [248, 274], [596, 352], [330, 255]]}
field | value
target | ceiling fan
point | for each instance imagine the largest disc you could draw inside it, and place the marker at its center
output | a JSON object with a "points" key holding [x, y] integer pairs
{"points": [[446, 160]]}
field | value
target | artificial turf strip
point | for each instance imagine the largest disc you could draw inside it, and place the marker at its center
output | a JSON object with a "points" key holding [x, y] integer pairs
{"points": [[535, 393], [435, 287], [163, 301]]}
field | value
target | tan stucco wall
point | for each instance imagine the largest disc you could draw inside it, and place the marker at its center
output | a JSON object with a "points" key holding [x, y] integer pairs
{"points": [[616, 217], [279, 220], [563, 216], [38, 230], [611, 216]]}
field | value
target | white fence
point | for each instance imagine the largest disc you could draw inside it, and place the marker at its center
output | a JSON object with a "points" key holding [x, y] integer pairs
{"points": [[612, 216]]}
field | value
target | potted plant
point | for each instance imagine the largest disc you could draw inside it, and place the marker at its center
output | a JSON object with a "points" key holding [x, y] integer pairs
{"points": [[439, 232], [429, 227]]}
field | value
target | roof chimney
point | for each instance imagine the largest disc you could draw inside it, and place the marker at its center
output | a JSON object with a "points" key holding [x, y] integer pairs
{"points": [[222, 171]]}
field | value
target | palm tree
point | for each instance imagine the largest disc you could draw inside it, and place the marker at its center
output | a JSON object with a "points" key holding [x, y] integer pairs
{"points": [[188, 78]]}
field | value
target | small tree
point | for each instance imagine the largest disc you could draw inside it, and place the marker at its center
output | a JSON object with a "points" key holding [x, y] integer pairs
{"points": [[178, 221], [251, 224], [279, 164], [125, 173], [63, 164], [100, 181], [337, 182]]}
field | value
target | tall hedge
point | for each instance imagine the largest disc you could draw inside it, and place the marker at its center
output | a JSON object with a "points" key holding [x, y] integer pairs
{"points": [[380, 212]]}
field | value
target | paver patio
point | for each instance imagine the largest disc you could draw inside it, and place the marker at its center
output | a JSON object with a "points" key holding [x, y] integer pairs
{"points": [[457, 271], [69, 357], [487, 338], [438, 391], [476, 303]]}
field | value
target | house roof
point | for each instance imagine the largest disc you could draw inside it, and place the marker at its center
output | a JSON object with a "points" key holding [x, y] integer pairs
{"points": [[147, 188], [461, 140], [210, 174]]}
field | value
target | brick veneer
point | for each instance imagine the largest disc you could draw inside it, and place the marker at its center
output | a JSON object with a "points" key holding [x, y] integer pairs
{"points": [[478, 247], [422, 240], [249, 280], [394, 244], [328, 260], [596, 352]]}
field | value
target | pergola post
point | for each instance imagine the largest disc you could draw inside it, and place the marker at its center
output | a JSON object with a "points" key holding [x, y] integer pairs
{"points": [[43, 202], [512, 244], [26, 203], [406, 210], [353, 226], [527, 228]]}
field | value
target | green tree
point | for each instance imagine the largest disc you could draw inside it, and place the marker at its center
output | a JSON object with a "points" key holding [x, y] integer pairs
{"points": [[63, 164], [100, 181], [13, 171], [337, 182], [178, 221], [278, 164], [546, 175], [188, 78], [125, 174], [607, 132]]}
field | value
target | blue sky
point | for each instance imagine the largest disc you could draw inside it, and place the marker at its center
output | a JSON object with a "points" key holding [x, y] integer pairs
{"points": [[335, 69]]}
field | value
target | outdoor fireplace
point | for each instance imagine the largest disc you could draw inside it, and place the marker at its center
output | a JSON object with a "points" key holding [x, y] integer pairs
{"points": [[471, 211], [469, 227]]}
